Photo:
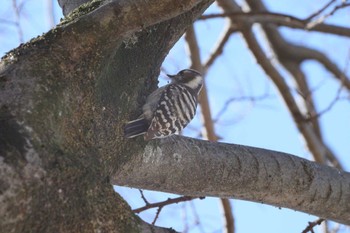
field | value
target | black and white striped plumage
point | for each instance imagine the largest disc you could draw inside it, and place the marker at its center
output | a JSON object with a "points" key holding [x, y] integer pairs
{"points": [[169, 108]]}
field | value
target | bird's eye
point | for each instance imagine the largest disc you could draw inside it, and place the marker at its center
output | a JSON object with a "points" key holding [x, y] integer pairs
{"points": [[185, 72]]}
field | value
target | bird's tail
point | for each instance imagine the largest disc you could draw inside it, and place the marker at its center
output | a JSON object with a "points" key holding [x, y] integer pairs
{"points": [[135, 128]]}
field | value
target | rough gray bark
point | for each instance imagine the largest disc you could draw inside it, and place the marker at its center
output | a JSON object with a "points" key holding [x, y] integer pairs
{"points": [[64, 98], [201, 168]]}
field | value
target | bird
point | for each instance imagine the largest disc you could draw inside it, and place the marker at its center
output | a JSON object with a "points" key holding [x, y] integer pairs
{"points": [[168, 109]]}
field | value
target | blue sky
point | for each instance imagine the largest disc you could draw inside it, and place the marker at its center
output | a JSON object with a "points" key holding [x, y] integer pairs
{"points": [[265, 123]]}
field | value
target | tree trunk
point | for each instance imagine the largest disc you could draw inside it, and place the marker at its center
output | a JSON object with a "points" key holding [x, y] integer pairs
{"points": [[64, 98]]}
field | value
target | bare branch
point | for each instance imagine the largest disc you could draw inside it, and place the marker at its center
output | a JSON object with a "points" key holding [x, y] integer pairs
{"points": [[236, 171], [164, 203], [229, 219], [203, 97], [208, 121], [219, 48], [18, 16], [291, 56], [10, 22], [323, 18], [329, 65], [281, 20], [315, 144], [320, 10], [293, 66], [157, 215], [143, 197], [329, 107], [242, 98], [288, 52], [312, 225]]}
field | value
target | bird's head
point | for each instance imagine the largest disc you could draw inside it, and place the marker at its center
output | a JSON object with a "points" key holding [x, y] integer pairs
{"points": [[188, 77]]}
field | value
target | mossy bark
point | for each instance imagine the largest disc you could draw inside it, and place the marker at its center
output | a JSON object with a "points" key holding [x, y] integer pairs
{"points": [[64, 99]]}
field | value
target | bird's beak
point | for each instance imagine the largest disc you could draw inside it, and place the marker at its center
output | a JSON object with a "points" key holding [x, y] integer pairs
{"points": [[171, 76]]}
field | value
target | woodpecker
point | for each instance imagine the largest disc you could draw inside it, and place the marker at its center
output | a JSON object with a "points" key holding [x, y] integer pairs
{"points": [[169, 108]]}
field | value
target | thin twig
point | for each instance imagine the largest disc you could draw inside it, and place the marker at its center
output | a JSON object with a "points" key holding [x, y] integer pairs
{"points": [[329, 107], [242, 98], [219, 48], [323, 18], [157, 215], [18, 26], [320, 10], [281, 20], [143, 197], [249, 14], [10, 22], [312, 225], [196, 216], [169, 201]]}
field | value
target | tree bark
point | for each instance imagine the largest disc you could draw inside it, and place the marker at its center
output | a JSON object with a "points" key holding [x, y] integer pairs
{"points": [[64, 98], [202, 168]]}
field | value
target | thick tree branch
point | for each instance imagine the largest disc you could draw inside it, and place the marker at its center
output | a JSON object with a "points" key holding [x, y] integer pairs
{"points": [[242, 172], [119, 18]]}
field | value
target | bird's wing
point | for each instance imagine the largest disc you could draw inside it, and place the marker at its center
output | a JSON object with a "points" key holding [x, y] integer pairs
{"points": [[175, 109], [152, 102]]}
